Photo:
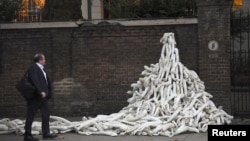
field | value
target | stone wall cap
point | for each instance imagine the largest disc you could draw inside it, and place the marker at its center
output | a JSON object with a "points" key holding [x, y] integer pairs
{"points": [[148, 22], [38, 25], [124, 22]]}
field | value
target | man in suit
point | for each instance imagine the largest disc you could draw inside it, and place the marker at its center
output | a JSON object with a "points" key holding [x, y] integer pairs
{"points": [[40, 80]]}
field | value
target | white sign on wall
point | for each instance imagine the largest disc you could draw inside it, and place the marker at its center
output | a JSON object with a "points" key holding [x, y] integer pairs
{"points": [[213, 45]]}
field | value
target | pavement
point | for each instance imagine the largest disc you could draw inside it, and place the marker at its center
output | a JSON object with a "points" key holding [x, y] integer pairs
{"points": [[72, 136], [78, 137]]}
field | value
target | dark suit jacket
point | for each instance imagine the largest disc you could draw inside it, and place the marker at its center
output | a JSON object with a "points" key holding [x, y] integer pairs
{"points": [[37, 78]]}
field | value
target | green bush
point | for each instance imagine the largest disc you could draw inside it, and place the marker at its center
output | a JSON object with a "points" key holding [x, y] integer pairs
{"points": [[150, 8], [9, 10]]}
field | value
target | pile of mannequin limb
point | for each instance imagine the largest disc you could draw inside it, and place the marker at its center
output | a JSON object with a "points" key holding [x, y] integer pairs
{"points": [[167, 100]]}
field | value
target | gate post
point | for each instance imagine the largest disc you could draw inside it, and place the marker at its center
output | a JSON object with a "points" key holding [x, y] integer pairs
{"points": [[214, 49]]}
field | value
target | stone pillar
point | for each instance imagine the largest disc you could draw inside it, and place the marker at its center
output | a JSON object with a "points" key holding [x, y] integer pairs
{"points": [[214, 49], [92, 9]]}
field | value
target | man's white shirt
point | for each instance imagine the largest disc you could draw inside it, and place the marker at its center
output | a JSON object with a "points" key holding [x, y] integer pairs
{"points": [[41, 67]]}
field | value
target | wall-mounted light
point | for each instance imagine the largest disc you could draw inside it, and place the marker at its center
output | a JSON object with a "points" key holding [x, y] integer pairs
{"points": [[237, 4]]}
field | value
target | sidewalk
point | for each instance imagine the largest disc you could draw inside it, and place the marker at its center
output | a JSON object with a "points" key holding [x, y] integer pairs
{"points": [[72, 136], [77, 137]]}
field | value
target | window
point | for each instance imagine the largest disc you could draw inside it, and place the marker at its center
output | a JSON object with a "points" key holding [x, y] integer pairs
{"points": [[32, 11]]}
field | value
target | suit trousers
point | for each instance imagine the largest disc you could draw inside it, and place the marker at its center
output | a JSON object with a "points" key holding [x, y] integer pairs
{"points": [[32, 107]]}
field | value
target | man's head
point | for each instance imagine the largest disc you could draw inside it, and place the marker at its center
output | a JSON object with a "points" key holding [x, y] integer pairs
{"points": [[39, 58]]}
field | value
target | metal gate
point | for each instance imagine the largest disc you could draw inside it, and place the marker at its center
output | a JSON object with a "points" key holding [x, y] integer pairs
{"points": [[240, 63]]}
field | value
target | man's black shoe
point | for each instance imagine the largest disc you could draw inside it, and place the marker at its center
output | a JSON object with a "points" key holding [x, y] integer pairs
{"points": [[30, 138], [49, 136]]}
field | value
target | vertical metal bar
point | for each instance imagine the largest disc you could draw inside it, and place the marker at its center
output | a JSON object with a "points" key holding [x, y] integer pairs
{"points": [[245, 62], [232, 67], [1, 54], [248, 46], [248, 36], [240, 43], [233, 64], [89, 9], [248, 49], [246, 99], [242, 97], [235, 100], [234, 104], [29, 2], [238, 100], [235, 110], [54, 15], [231, 100], [232, 50]]}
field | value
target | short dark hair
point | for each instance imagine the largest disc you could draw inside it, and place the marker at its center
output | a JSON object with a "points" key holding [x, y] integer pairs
{"points": [[37, 57]]}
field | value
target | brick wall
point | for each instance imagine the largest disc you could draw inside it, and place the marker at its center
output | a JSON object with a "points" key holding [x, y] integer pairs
{"points": [[214, 65], [91, 66], [108, 58], [18, 48]]}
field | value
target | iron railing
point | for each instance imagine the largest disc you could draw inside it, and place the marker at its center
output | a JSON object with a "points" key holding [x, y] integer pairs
{"points": [[240, 63], [241, 101]]}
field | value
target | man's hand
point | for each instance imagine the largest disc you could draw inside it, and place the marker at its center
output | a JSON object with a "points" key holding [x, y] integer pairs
{"points": [[43, 94]]}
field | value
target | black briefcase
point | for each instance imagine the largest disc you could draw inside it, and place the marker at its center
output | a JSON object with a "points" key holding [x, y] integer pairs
{"points": [[25, 87]]}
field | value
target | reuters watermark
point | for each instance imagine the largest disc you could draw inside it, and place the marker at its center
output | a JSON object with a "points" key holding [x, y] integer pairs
{"points": [[218, 132]]}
